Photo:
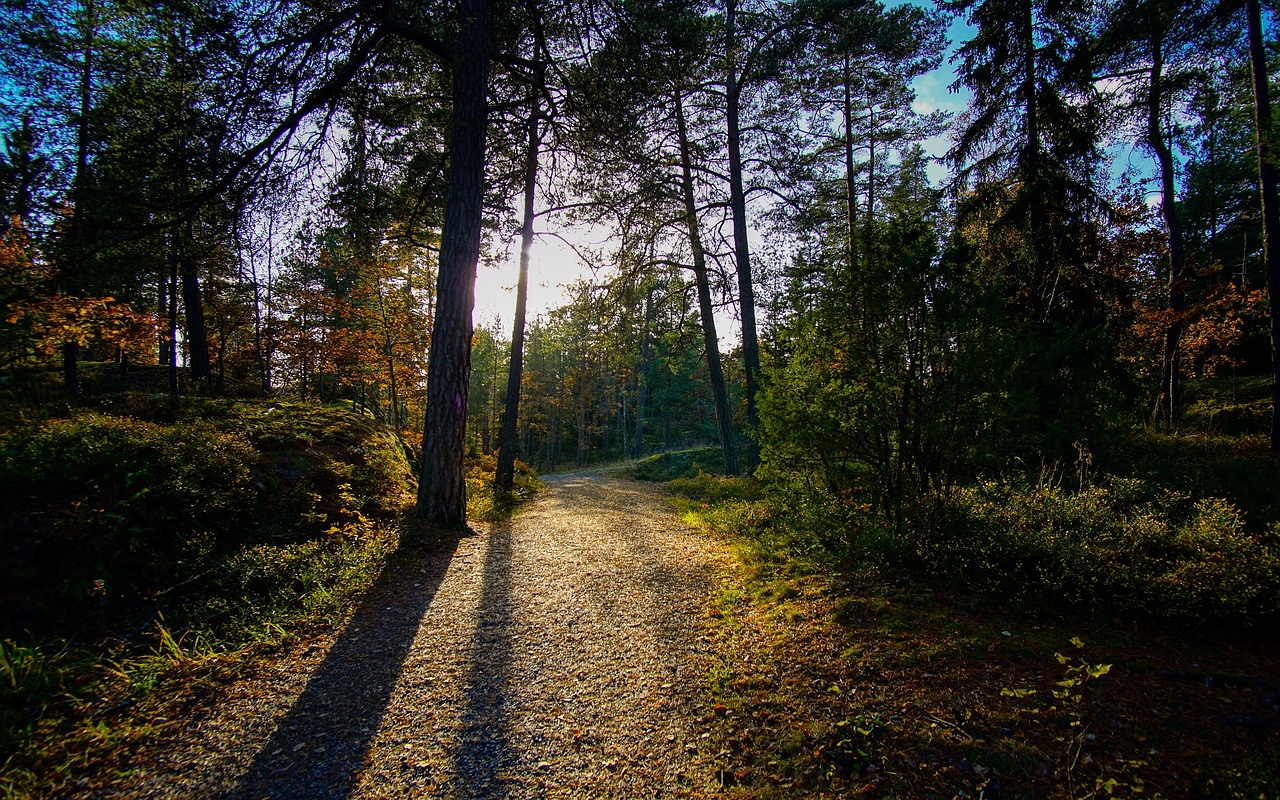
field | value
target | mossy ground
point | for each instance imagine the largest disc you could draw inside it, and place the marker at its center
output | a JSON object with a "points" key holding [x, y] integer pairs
{"points": [[153, 551], [871, 684], [1098, 629]]}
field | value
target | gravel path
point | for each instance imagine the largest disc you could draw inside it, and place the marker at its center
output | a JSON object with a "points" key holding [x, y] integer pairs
{"points": [[556, 655]]}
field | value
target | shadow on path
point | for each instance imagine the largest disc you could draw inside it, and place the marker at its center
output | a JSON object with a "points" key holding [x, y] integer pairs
{"points": [[483, 758], [319, 747]]}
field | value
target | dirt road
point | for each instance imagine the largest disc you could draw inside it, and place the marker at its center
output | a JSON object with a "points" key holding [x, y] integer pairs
{"points": [[556, 655]]}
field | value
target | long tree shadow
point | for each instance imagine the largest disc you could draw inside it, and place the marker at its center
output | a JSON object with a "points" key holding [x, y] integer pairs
{"points": [[483, 760], [319, 747]]}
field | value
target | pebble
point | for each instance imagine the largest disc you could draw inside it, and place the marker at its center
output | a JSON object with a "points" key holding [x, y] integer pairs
{"points": [[535, 650]]}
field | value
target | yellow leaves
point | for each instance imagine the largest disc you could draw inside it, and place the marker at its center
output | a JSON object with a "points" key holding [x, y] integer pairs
{"points": [[1212, 329], [1018, 693], [58, 319]]}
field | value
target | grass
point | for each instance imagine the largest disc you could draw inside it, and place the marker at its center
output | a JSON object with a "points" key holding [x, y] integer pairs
{"points": [[150, 556], [839, 673], [676, 464], [887, 689]]}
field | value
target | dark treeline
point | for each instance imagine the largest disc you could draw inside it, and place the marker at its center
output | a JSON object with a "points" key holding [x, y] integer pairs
{"points": [[285, 197]]}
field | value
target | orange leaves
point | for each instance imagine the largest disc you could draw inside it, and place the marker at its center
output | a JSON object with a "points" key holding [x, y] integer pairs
{"points": [[357, 326], [1212, 329], [57, 319], [1212, 337], [20, 273]]}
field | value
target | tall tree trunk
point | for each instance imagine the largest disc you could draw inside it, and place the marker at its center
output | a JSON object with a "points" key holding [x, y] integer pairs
{"points": [[442, 489], [1270, 201], [710, 341], [1031, 161], [1031, 153], [741, 247], [173, 331], [869, 219], [642, 391], [163, 340], [1170, 400], [192, 301], [850, 184], [73, 266], [504, 475], [193, 305]]}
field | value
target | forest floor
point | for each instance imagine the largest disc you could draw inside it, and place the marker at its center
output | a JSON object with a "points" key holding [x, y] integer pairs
{"points": [[559, 654], [598, 646]]}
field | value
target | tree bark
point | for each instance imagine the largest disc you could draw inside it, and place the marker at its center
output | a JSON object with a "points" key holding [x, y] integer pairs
{"points": [[173, 334], [710, 341], [642, 391], [741, 247], [1031, 146], [72, 266], [193, 305], [504, 475], [1170, 400], [442, 489], [1270, 201], [164, 343], [850, 183]]}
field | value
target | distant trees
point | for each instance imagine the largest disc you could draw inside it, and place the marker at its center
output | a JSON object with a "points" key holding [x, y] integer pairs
{"points": [[1270, 198], [585, 372], [295, 197]]}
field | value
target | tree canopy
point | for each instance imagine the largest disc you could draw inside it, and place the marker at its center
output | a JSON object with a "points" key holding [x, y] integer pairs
{"points": [[297, 197]]}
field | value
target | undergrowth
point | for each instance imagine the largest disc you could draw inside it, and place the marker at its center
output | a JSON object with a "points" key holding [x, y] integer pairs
{"points": [[145, 546], [1116, 545], [485, 502], [155, 547], [676, 464], [853, 659]]}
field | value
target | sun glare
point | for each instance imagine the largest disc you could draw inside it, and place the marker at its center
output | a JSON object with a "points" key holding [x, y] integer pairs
{"points": [[553, 266]]}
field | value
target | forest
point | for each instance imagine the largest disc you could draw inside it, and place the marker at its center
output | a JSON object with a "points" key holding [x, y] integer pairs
{"points": [[1024, 350]]}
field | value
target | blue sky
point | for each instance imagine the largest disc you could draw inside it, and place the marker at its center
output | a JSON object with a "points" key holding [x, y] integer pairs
{"points": [[933, 93]]}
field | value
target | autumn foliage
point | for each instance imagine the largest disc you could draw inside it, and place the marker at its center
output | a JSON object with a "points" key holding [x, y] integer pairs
{"points": [[40, 319]]}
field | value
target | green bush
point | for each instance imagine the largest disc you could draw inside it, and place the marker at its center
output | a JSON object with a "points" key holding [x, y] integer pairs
{"points": [[1123, 546], [105, 521], [1239, 469], [679, 464], [128, 547], [1120, 545], [155, 475], [708, 488], [100, 512]]}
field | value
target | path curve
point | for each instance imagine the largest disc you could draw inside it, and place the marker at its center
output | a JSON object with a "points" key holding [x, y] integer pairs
{"points": [[555, 655]]}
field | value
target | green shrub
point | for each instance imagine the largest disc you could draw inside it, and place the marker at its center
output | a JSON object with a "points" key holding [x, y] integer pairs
{"points": [[101, 512], [487, 504], [680, 464], [155, 474], [129, 547], [708, 488], [304, 580], [309, 452], [1118, 547], [107, 520], [1239, 469]]}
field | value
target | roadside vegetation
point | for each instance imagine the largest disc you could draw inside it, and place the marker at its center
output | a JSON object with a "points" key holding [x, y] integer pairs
{"points": [[1099, 628], [149, 552]]}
